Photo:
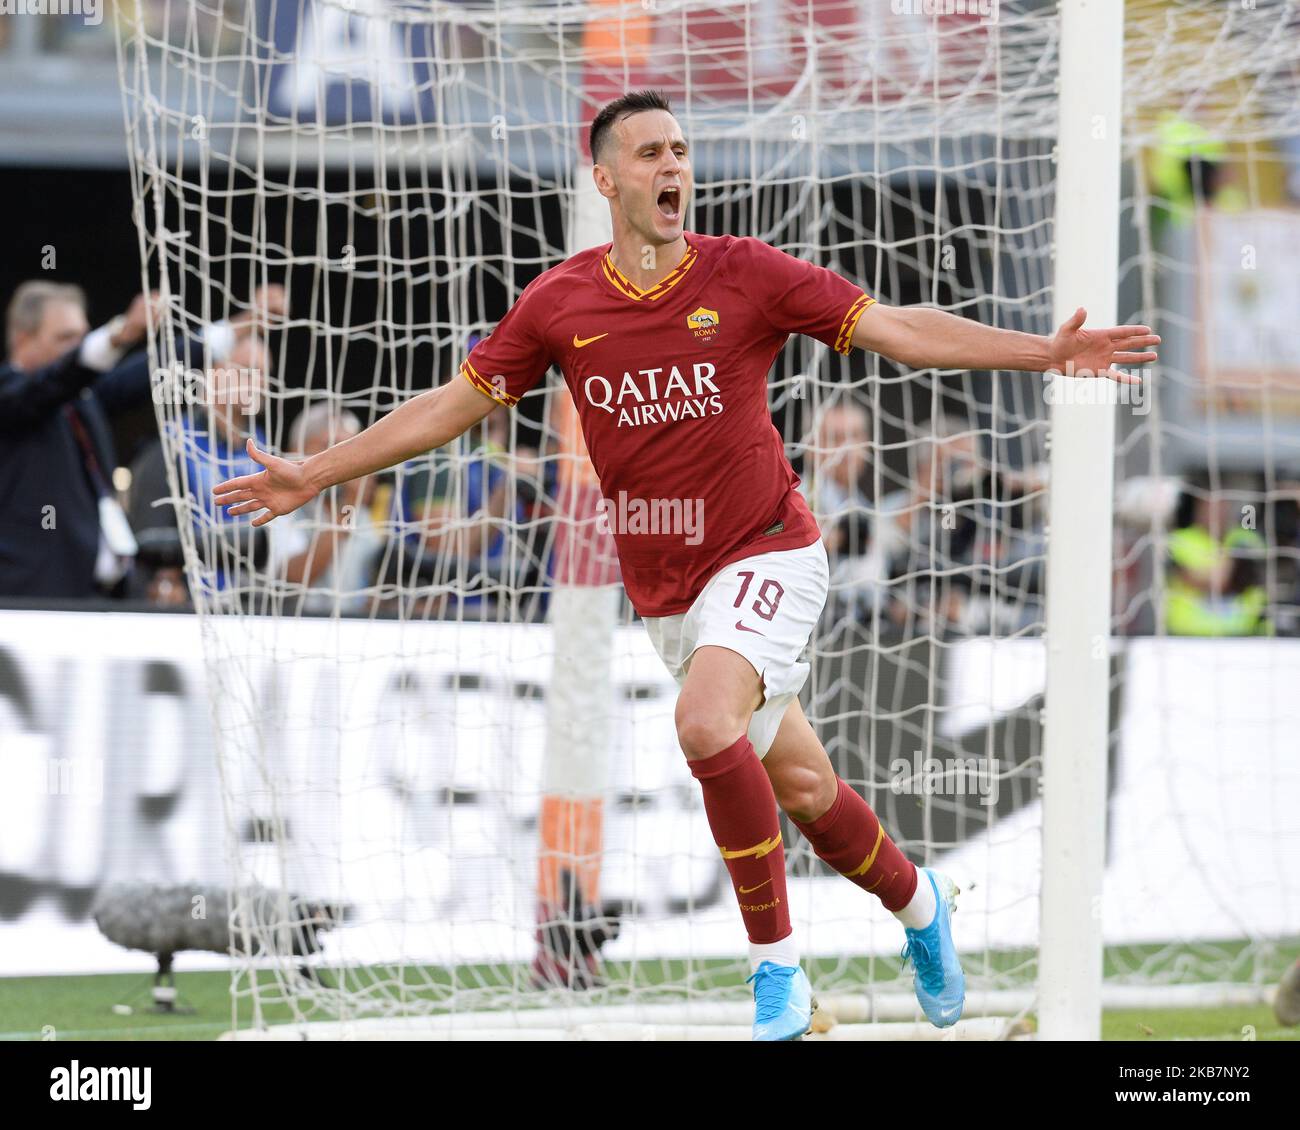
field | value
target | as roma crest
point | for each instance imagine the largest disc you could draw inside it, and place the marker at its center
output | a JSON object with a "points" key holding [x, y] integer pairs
{"points": [[703, 322]]}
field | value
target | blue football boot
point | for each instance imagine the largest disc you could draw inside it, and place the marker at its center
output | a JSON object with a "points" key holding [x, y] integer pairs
{"points": [[783, 1002], [939, 981]]}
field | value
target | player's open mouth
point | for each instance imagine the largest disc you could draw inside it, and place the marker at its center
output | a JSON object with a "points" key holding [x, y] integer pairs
{"points": [[670, 203]]}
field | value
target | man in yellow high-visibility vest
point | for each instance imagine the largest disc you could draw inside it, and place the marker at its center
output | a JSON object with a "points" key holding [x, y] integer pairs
{"points": [[1212, 588]]}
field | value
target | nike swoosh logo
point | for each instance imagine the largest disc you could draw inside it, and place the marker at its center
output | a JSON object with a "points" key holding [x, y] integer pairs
{"points": [[741, 628], [579, 342], [746, 890], [947, 1013]]}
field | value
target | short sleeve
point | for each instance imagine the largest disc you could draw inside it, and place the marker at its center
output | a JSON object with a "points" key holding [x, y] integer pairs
{"points": [[798, 297], [514, 357]]}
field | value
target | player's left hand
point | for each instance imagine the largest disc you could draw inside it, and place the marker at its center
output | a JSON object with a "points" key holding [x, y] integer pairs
{"points": [[1077, 352]]}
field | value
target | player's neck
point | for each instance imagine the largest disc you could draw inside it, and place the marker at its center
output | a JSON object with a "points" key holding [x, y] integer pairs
{"points": [[631, 256]]}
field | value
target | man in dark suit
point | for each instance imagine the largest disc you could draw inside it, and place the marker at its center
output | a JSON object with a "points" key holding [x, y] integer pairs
{"points": [[57, 390]]}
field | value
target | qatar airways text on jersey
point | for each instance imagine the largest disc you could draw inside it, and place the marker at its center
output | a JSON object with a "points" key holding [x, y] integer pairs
{"points": [[654, 396]]}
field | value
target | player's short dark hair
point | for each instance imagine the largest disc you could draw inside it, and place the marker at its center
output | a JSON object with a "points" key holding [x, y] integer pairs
{"points": [[634, 102]]}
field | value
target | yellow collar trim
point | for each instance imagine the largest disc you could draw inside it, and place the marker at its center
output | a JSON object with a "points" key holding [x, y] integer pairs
{"points": [[621, 283]]}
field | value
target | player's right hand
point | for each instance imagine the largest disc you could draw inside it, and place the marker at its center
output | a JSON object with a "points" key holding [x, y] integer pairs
{"points": [[279, 489]]}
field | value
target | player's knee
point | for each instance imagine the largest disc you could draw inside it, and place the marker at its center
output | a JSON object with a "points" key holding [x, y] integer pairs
{"points": [[702, 732], [804, 793]]}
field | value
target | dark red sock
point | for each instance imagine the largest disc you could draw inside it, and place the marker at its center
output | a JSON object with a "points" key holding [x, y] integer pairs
{"points": [[850, 838], [741, 808]]}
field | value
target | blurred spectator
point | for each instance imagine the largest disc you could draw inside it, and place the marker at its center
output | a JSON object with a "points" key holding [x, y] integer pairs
{"points": [[1214, 585], [1291, 152], [339, 537], [228, 398], [1286, 560], [159, 574], [925, 538], [62, 532], [208, 441], [212, 443], [421, 569], [472, 530], [1144, 505], [1187, 168], [1009, 554], [834, 487], [964, 548], [510, 498]]}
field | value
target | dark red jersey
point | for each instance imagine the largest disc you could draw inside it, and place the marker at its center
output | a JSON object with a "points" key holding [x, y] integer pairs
{"points": [[671, 389]]}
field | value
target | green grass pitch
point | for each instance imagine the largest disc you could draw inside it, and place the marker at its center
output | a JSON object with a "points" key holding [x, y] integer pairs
{"points": [[82, 1007]]}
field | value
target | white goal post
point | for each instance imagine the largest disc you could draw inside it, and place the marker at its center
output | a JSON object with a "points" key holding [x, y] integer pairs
{"points": [[1077, 725]]}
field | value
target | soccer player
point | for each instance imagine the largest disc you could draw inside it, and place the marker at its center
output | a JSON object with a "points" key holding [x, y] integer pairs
{"points": [[665, 339]]}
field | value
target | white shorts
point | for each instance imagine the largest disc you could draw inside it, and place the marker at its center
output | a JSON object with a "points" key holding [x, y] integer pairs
{"points": [[763, 607]]}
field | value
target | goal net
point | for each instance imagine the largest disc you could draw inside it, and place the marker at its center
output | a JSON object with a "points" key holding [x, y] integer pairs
{"points": [[453, 792]]}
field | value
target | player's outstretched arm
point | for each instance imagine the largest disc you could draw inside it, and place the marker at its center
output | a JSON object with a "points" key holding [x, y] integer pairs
{"points": [[421, 424], [924, 338]]}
